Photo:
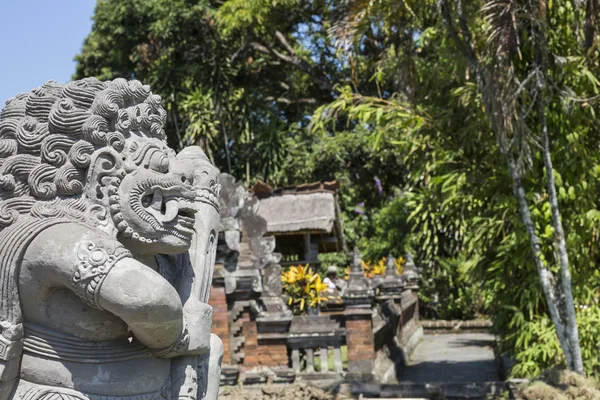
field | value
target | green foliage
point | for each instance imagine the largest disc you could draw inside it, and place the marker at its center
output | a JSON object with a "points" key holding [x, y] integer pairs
{"points": [[383, 97], [340, 260], [534, 342], [330, 360], [237, 15], [462, 215], [304, 289], [237, 78]]}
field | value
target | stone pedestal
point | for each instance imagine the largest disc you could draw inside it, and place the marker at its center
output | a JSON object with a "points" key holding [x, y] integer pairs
{"points": [[273, 318], [272, 340]]}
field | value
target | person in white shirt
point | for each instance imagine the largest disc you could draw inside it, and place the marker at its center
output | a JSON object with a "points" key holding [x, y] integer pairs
{"points": [[334, 283]]}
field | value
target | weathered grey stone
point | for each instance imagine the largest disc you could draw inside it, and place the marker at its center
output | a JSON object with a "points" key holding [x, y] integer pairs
{"points": [[359, 291], [271, 306], [272, 280], [250, 270], [311, 212], [410, 273], [107, 249], [229, 224], [391, 284], [232, 238]]}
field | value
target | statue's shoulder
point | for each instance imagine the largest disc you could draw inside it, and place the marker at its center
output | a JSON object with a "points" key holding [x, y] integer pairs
{"points": [[67, 238], [75, 255], [69, 246]]}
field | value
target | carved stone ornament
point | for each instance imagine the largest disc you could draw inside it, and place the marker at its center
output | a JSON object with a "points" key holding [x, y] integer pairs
{"points": [[391, 283], [359, 290], [410, 273], [107, 249]]}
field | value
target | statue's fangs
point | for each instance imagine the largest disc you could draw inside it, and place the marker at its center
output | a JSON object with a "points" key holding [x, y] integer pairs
{"points": [[107, 246]]}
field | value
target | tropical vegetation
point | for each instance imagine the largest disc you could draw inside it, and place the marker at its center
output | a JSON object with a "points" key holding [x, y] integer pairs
{"points": [[463, 131], [304, 289]]}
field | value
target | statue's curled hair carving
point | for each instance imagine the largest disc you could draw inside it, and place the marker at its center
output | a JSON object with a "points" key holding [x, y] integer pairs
{"points": [[48, 138]]}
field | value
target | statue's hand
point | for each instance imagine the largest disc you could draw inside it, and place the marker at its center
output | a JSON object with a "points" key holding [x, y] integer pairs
{"points": [[198, 317], [195, 337], [194, 282]]}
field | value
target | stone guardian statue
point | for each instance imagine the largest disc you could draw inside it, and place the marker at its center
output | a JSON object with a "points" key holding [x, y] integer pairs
{"points": [[107, 247]]}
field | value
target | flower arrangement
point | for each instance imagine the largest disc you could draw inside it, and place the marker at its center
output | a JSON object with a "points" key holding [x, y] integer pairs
{"points": [[304, 288]]}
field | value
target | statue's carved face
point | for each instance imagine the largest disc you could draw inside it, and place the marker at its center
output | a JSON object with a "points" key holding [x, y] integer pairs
{"points": [[155, 199]]}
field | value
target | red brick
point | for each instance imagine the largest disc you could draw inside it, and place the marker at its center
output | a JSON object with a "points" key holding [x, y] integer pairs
{"points": [[273, 352], [220, 325], [359, 338], [250, 344]]}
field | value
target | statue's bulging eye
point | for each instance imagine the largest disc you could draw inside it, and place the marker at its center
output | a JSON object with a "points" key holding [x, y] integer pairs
{"points": [[159, 162]]}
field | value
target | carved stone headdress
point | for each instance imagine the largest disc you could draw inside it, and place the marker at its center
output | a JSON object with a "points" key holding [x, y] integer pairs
{"points": [[48, 136]]}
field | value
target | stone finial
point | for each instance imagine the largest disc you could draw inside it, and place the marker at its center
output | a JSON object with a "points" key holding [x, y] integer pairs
{"points": [[255, 271], [390, 266], [410, 262], [410, 273], [392, 283], [356, 263], [359, 289]]}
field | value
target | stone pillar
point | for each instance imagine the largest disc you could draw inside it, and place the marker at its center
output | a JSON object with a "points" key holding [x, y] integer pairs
{"points": [[220, 322], [358, 299], [410, 273], [410, 329], [389, 311]]}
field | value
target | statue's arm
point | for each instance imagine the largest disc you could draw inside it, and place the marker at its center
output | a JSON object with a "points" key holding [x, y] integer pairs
{"points": [[142, 298], [104, 275], [153, 310]]}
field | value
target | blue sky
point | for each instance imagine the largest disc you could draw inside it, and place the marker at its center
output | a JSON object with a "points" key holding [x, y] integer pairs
{"points": [[38, 40]]}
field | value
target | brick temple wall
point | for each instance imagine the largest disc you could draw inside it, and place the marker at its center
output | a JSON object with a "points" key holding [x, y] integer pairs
{"points": [[273, 352], [220, 323], [251, 358], [359, 338]]}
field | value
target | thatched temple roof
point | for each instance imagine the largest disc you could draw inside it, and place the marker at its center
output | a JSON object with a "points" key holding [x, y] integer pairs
{"points": [[299, 209]]}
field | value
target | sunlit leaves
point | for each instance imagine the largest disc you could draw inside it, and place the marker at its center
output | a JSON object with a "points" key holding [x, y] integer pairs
{"points": [[304, 288]]}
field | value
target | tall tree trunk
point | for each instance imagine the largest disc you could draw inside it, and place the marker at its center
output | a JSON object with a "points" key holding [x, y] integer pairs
{"points": [[174, 116], [589, 27], [574, 362], [546, 277], [225, 137]]}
